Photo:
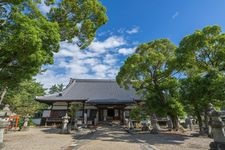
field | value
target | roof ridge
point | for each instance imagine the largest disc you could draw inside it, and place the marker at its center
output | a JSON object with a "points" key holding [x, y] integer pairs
{"points": [[94, 80]]}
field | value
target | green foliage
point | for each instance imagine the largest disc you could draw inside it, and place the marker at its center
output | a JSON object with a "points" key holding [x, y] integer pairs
{"points": [[28, 38], [80, 18], [21, 98], [203, 51], [150, 71], [138, 114], [73, 109], [201, 56], [20, 123], [26, 44], [56, 88]]}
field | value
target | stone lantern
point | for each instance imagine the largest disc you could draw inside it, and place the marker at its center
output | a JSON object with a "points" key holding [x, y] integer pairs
{"points": [[217, 130], [65, 121]]}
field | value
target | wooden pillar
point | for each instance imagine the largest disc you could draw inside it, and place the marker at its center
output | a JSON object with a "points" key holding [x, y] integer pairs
{"points": [[50, 115], [83, 112]]}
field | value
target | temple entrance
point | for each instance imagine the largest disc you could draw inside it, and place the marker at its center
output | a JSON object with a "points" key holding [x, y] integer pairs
{"points": [[110, 114], [101, 116]]}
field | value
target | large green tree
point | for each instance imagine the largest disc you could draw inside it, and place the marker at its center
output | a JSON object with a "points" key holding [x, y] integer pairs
{"points": [[150, 71], [201, 56], [29, 38], [21, 98], [197, 92], [202, 52]]}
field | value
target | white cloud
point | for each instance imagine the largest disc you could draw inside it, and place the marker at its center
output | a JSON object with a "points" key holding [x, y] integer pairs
{"points": [[50, 78], [100, 70], [176, 14], [126, 51], [92, 61], [133, 30], [110, 59], [102, 59], [111, 42], [44, 8]]}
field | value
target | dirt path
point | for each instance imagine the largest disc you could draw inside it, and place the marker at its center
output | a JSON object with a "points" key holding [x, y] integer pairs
{"points": [[37, 139]]}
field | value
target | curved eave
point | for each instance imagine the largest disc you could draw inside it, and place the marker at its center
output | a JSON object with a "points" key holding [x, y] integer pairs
{"points": [[47, 101], [110, 103], [138, 100]]}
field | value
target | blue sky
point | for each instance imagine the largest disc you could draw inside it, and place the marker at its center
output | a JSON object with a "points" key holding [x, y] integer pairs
{"points": [[131, 23]]}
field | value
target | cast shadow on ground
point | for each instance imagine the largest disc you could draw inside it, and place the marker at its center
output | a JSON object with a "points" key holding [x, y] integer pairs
{"points": [[116, 134]]}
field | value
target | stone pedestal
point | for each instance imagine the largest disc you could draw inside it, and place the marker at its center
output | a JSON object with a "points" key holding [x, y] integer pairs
{"points": [[130, 124], [188, 123], [155, 125], [169, 123], [65, 121], [25, 123], [217, 129]]}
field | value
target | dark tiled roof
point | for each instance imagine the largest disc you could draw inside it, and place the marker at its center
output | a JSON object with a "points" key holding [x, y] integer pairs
{"points": [[94, 91]]}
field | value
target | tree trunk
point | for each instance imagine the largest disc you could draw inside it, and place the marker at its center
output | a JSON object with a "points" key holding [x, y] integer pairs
{"points": [[199, 121], [75, 123], [71, 123], [206, 121], [3, 92], [175, 122]]}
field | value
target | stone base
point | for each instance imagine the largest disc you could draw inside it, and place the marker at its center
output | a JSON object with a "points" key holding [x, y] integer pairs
{"points": [[24, 128], [154, 131], [217, 146], [65, 131]]}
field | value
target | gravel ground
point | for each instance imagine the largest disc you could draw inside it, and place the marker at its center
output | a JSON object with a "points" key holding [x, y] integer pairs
{"points": [[175, 141], [37, 139], [110, 138], [105, 138]]}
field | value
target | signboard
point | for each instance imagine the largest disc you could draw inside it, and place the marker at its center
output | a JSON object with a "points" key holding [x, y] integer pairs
{"points": [[46, 113]]}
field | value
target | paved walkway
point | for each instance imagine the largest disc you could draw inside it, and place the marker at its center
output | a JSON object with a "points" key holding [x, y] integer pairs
{"points": [[110, 138]]}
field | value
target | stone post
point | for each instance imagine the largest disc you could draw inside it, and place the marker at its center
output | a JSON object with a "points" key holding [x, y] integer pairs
{"points": [[3, 125], [25, 124], [124, 117], [130, 124], [65, 121], [104, 114]]}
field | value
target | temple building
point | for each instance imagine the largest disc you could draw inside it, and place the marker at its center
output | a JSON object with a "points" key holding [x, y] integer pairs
{"points": [[101, 100]]}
